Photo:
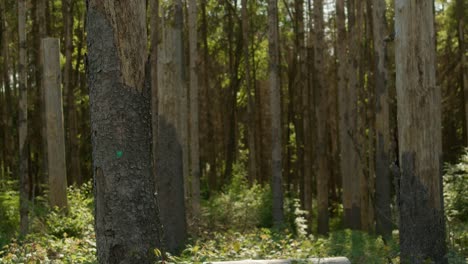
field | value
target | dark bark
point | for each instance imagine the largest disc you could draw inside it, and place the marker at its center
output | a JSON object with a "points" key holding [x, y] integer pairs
{"points": [[125, 205]]}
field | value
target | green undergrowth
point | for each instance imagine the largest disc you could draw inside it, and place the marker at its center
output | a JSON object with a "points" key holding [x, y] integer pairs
{"points": [[235, 224]]}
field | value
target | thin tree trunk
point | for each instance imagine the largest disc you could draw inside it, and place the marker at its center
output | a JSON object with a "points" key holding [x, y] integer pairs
{"points": [[170, 168], [275, 103], [419, 134], [194, 113], [73, 147], [126, 209], [382, 122], [155, 40], [250, 97], [39, 116], [23, 121], [322, 120], [460, 7], [211, 148], [54, 123], [8, 139]]}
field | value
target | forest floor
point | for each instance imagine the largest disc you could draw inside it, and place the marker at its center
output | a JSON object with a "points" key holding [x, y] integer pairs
{"points": [[233, 235]]}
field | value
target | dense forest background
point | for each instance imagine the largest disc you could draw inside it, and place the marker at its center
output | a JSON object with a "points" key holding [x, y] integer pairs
{"points": [[332, 158]]}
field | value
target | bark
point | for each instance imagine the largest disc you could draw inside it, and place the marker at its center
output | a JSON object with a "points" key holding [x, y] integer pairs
{"points": [[383, 185], [275, 103], [194, 113], [322, 120], [54, 123], [155, 40], [169, 167], [250, 98], [23, 121], [125, 204], [422, 227]]}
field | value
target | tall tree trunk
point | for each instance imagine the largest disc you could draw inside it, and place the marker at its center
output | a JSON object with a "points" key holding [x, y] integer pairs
{"points": [[382, 122], [351, 168], [23, 121], [54, 123], [171, 85], [419, 134], [125, 206], [155, 40], [460, 7], [250, 97], [39, 118], [8, 139], [211, 148], [73, 147], [275, 103], [322, 120], [194, 113]]}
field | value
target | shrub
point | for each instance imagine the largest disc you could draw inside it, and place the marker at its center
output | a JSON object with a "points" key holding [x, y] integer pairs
{"points": [[456, 204]]}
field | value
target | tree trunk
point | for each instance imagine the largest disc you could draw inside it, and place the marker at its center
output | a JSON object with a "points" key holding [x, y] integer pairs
{"points": [[382, 122], [39, 118], [169, 168], [422, 227], [125, 205], [73, 147], [460, 7], [54, 123], [275, 103], [250, 98], [194, 114], [322, 121], [23, 121], [348, 88], [155, 40]]}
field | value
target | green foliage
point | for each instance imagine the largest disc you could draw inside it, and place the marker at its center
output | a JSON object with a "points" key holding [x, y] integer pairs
{"points": [[456, 204], [239, 206], [55, 236], [267, 244], [9, 211]]}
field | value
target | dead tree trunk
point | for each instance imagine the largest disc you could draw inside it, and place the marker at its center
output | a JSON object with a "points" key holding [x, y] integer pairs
{"points": [[422, 227], [23, 121], [275, 103], [54, 123]]}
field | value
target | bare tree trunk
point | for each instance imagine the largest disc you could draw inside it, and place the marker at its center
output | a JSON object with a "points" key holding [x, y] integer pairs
{"points": [[194, 113], [74, 169], [419, 134], [250, 97], [38, 117], [54, 123], [126, 208], [460, 7], [322, 121], [155, 40], [275, 102], [23, 121], [382, 122], [170, 168], [8, 139]]}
